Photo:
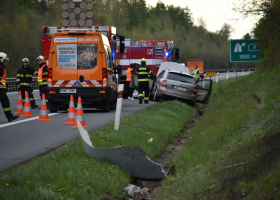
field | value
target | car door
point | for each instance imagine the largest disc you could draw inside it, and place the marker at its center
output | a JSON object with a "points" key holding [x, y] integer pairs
{"points": [[204, 90]]}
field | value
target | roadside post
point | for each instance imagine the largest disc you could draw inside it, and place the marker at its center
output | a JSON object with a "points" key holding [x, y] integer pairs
{"points": [[217, 77], [119, 107], [242, 72], [244, 51], [227, 74]]}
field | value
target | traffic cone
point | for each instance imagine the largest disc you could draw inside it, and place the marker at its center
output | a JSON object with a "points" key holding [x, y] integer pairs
{"points": [[43, 116], [27, 108], [71, 112], [19, 109], [79, 115]]}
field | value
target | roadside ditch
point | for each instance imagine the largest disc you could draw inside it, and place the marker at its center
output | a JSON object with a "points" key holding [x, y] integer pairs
{"points": [[166, 159]]}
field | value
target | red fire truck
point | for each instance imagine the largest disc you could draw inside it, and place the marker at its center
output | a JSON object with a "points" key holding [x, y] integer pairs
{"points": [[154, 51]]}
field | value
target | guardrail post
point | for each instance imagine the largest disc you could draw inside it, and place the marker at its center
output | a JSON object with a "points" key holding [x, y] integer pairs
{"points": [[119, 107], [249, 71], [255, 69], [227, 74], [242, 72], [217, 77]]}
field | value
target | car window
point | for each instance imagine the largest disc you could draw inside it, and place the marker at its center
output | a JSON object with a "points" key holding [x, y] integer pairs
{"points": [[77, 56], [161, 74], [204, 84], [181, 77]]}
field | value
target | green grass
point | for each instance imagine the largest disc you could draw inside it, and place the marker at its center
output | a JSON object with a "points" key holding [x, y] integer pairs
{"points": [[69, 173], [241, 125]]}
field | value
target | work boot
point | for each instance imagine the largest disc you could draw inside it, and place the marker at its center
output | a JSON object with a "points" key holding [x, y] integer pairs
{"points": [[34, 106], [14, 117], [140, 100], [146, 101]]}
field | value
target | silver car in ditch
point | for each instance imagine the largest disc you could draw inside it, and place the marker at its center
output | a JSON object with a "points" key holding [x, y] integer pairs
{"points": [[171, 84]]}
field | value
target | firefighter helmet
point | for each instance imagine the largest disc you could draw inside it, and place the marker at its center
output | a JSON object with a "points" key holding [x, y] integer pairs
{"points": [[41, 58], [25, 60], [3, 56], [143, 60]]}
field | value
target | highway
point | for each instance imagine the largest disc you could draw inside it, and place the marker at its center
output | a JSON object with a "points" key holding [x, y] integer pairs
{"points": [[25, 138]]}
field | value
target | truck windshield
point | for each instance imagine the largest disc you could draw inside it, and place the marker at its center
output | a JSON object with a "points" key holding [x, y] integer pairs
{"points": [[181, 77], [77, 56]]}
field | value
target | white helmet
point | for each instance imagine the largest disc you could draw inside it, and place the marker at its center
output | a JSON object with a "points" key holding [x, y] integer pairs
{"points": [[41, 58], [3, 57], [25, 60]]}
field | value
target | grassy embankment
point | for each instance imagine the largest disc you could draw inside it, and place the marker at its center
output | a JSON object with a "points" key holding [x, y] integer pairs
{"points": [[69, 173], [241, 126]]}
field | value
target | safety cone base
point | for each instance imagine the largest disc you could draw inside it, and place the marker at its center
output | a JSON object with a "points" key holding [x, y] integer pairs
{"points": [[27, 115], [19, 111], [69, 123]]}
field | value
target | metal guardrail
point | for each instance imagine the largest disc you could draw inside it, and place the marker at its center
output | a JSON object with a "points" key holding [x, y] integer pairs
{"points": [[12, 84]]}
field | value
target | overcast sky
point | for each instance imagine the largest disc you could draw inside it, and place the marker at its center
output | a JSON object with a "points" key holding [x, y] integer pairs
{"points": [[215, 13]]}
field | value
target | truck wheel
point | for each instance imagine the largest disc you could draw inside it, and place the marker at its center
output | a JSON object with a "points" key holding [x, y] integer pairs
{"points": [[106, 106], [156, 98], [113, 105]]}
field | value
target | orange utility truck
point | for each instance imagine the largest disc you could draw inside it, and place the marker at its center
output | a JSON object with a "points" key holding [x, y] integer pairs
{"points": [[197, 62]]}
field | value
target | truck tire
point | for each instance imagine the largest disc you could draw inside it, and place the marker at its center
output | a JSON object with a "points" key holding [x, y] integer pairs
{"points": [[106, 106], [113, 105]]}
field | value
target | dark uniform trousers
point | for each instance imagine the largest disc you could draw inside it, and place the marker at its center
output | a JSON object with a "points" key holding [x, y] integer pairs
{"points": [[28, 89], [5, 103], [143, 86], [43, 90]]}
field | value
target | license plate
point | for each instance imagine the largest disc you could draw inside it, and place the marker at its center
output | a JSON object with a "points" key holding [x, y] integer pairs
{"points": [[67, 90], [179, 88]]}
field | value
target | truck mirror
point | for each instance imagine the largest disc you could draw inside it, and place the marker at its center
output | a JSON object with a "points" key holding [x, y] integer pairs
{"points": [[119, 69], [122, 46]]}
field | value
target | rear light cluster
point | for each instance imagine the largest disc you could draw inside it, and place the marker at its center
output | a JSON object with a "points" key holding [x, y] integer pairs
{"points": [[195, 90], [50, 78], [104, 78], [163, 83]]}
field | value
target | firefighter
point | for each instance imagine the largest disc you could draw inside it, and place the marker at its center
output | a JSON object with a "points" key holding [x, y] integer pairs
{"points": [[196, 73], [143, 81], [128, 79], [42, 76], [3, 89], [24, 81]]}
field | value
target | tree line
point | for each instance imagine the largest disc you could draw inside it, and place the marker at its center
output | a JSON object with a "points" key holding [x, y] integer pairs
{"points": [[22, 21]]}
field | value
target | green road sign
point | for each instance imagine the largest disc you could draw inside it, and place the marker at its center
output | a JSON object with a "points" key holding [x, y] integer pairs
{"points": [[245, 51]]}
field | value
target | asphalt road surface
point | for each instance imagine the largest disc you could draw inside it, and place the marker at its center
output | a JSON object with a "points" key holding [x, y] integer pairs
{"points": [[25, 138]]}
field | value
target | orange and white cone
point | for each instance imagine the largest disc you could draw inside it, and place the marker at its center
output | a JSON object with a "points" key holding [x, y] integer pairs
{"points": [[27, 108], [19, 109], [43, 116], [79, 115], [71, 112]]}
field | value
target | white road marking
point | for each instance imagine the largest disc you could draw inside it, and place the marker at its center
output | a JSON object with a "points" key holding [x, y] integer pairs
{"points": [[24, 120], [17, 92]]}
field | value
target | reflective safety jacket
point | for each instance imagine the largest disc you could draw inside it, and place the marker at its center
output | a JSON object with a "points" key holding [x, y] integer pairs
{"points": [[24, 75], [196, 73], [43, 74], [128, 74], [143, 71], [3, 74]]}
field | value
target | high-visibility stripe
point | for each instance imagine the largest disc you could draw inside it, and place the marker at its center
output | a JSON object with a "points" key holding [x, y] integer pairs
{"points": [[43, 83], [142, 68], [140, 95], [146, 79], [28, 75], [25, 84], [7, 109], [146, 98], [32, 99], [143, 72], [18, 80], [20, 75], [45, 73]]}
